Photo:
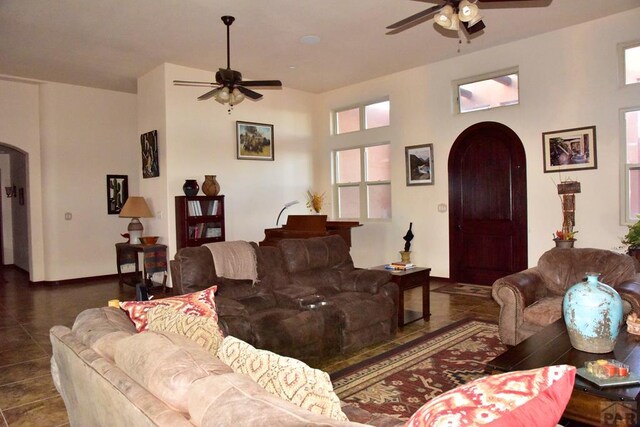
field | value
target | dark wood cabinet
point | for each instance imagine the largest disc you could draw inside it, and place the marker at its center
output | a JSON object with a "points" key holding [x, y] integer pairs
{"points": [[199, 220]]}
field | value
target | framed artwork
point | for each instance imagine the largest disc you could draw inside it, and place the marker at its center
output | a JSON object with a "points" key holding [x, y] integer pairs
{"points": [[254, 141], [117, 193], [149, 144], [569, 149], [419, 161]]}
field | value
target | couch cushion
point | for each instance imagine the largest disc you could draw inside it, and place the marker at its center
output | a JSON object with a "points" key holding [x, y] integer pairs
{"points": [[287, 378], [316, 252], [197, 303], [166, 364], [521, 398], [544, 311], [202, 330]]}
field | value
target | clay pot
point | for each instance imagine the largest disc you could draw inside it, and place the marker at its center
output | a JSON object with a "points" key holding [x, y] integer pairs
{"points": [[190, 187], [210, 186]]}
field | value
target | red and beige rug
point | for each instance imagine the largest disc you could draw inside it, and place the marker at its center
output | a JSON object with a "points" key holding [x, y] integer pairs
{"points": [[401, 380]]}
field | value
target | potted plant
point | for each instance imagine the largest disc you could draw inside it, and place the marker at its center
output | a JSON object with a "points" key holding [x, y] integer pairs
{"points": [[564, 238], [632, 238]]}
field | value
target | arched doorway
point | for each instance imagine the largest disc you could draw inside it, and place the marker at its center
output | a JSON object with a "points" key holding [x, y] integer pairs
{"points": [[14, 243], [487, 204]]}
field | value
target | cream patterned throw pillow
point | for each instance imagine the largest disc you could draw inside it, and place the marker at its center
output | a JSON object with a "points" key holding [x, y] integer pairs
{"points": [[201, 329], [287, 378]]}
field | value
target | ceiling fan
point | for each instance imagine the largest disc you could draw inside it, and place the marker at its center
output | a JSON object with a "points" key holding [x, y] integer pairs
{"points": [[229, 86], [449, 14]]}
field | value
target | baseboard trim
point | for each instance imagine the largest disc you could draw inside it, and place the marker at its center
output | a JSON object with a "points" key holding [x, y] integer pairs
{"points": [[75, 281]]}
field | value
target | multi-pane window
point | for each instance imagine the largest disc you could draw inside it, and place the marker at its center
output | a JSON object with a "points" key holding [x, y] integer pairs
{"points": [[363, 182], [488, 91], [631, 133], [365, 116]]}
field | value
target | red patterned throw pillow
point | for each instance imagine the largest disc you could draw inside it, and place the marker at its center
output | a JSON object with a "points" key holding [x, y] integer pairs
{"points": [[521, 398], [196, 303]]}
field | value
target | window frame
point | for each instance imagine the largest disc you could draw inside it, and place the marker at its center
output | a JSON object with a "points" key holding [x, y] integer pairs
{"points": [[363, 185], [362, 117], [622, 63], [625, 169], [479, 78]]}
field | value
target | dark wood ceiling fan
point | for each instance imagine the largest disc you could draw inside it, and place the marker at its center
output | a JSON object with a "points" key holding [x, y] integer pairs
{"points": [[229, 86], [450, 14]]}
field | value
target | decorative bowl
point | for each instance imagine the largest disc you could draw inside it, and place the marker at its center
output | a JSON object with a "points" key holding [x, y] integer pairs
{"points": [[149, 240]]}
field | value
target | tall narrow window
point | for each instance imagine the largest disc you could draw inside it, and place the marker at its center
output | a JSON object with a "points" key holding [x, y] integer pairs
{"points": [[631, 128], [363, 182]]}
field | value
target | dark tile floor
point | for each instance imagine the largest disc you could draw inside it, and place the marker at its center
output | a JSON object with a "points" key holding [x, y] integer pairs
{"points": [[27, 394]]}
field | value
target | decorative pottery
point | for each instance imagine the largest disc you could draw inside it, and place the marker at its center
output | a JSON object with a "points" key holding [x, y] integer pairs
{"points": [[405, 256], [190, 187], [210, 186], [593, 314], [564, 243]]}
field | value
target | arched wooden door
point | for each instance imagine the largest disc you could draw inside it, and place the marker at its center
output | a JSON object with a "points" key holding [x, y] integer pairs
{"points": [[487, 204]]}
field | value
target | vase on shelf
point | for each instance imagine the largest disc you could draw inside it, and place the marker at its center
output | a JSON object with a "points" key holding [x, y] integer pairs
{"points": [[593, 315], [190, 187], [210, 186], [560, 243]]}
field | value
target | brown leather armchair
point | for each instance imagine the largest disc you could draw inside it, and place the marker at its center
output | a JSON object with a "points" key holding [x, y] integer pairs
{"points": [[532, 299]]}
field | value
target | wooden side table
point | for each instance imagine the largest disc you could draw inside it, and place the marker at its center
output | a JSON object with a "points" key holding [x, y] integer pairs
{"points": [[154, 261], [409, 279]]}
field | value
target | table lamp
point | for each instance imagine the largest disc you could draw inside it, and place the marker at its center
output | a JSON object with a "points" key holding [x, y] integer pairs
{"points": [[135, 207]]}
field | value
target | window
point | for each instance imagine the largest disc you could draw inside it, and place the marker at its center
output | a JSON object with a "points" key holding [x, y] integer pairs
{"points": [[363, 182], [488, 91], [630, 58], [365, 116], [631, 137]]}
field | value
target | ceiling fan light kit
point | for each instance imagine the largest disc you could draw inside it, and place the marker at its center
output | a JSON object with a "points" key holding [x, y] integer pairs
{"points": [[229, 88]]}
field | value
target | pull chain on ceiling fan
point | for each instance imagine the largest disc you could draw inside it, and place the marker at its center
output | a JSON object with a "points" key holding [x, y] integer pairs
{"points": [[229, 86], [450, 14]]}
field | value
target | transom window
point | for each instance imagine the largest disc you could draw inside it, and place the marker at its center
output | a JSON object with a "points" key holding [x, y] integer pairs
{"points": [[363, 182], [631, 138], [488, 91], [365, 116], [630, 58]]}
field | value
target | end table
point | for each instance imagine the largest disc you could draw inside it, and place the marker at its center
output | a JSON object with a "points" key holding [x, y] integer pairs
{"points": [[409, 279]]}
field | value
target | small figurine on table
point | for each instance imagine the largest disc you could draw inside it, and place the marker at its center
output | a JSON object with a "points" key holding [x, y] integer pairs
{"points": [[405, 255]]}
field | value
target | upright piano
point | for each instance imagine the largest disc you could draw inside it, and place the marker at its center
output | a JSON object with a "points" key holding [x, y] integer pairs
{"points": [[305, 226]]}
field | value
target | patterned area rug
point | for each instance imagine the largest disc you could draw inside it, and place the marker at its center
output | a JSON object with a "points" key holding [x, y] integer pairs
{"points": [[465, 289], [401, 380]]}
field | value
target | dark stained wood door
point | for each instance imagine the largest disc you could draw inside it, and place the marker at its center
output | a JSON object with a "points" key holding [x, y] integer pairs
{"points": [[487, 204]]}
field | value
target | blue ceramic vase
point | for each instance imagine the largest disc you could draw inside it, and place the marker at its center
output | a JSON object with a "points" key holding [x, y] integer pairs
{"points": [[593, 314]]}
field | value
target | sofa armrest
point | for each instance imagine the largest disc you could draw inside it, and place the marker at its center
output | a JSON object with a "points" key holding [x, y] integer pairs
{"points": [[630, 291], [294, 296], [361, 280]]}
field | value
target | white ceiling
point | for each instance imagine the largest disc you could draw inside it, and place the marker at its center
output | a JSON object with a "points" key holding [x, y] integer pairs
{"points": [[109, 43]]}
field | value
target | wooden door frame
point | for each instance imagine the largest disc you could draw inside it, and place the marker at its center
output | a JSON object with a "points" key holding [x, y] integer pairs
{"points": [[519, 194]]}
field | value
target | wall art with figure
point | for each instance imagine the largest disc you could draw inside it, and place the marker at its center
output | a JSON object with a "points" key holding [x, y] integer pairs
{"points": [[117, 193], [569, 149], [149, 143]]}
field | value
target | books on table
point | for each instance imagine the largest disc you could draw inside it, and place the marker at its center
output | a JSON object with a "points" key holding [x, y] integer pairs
{"points": [[399, 266]]}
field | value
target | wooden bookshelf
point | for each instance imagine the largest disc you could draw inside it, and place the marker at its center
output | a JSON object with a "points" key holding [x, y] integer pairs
{"points": [[199, 220]]}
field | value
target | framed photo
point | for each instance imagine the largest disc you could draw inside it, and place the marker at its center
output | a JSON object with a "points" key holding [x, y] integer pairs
{"points": [[419, 160], [254, 141], [117, 193], [149, 145], [569, 149]]}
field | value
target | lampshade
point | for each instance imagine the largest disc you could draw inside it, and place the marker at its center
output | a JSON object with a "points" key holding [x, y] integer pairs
{"points": [[467, 11], [135, 207], [444, 16]]}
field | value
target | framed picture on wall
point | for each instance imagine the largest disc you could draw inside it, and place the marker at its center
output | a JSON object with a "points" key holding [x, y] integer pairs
{"points": [[149, 145], [117, 193], [419, 164], [254, 141], [569, 149]]}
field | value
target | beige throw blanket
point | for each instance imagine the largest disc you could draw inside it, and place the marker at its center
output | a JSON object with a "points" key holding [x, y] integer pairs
{"points": [[234, 260]]}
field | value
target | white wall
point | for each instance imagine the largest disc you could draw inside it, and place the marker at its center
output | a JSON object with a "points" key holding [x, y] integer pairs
{"points": [[86, 134], [568, 79], [199, 139]]}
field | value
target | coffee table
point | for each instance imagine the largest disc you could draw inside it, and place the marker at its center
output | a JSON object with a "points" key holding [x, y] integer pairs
{"points": [[589, 403]]}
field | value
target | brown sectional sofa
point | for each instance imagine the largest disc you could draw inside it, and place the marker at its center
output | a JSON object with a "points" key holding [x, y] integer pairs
{"points": [[309, 302], [109, 375]]}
